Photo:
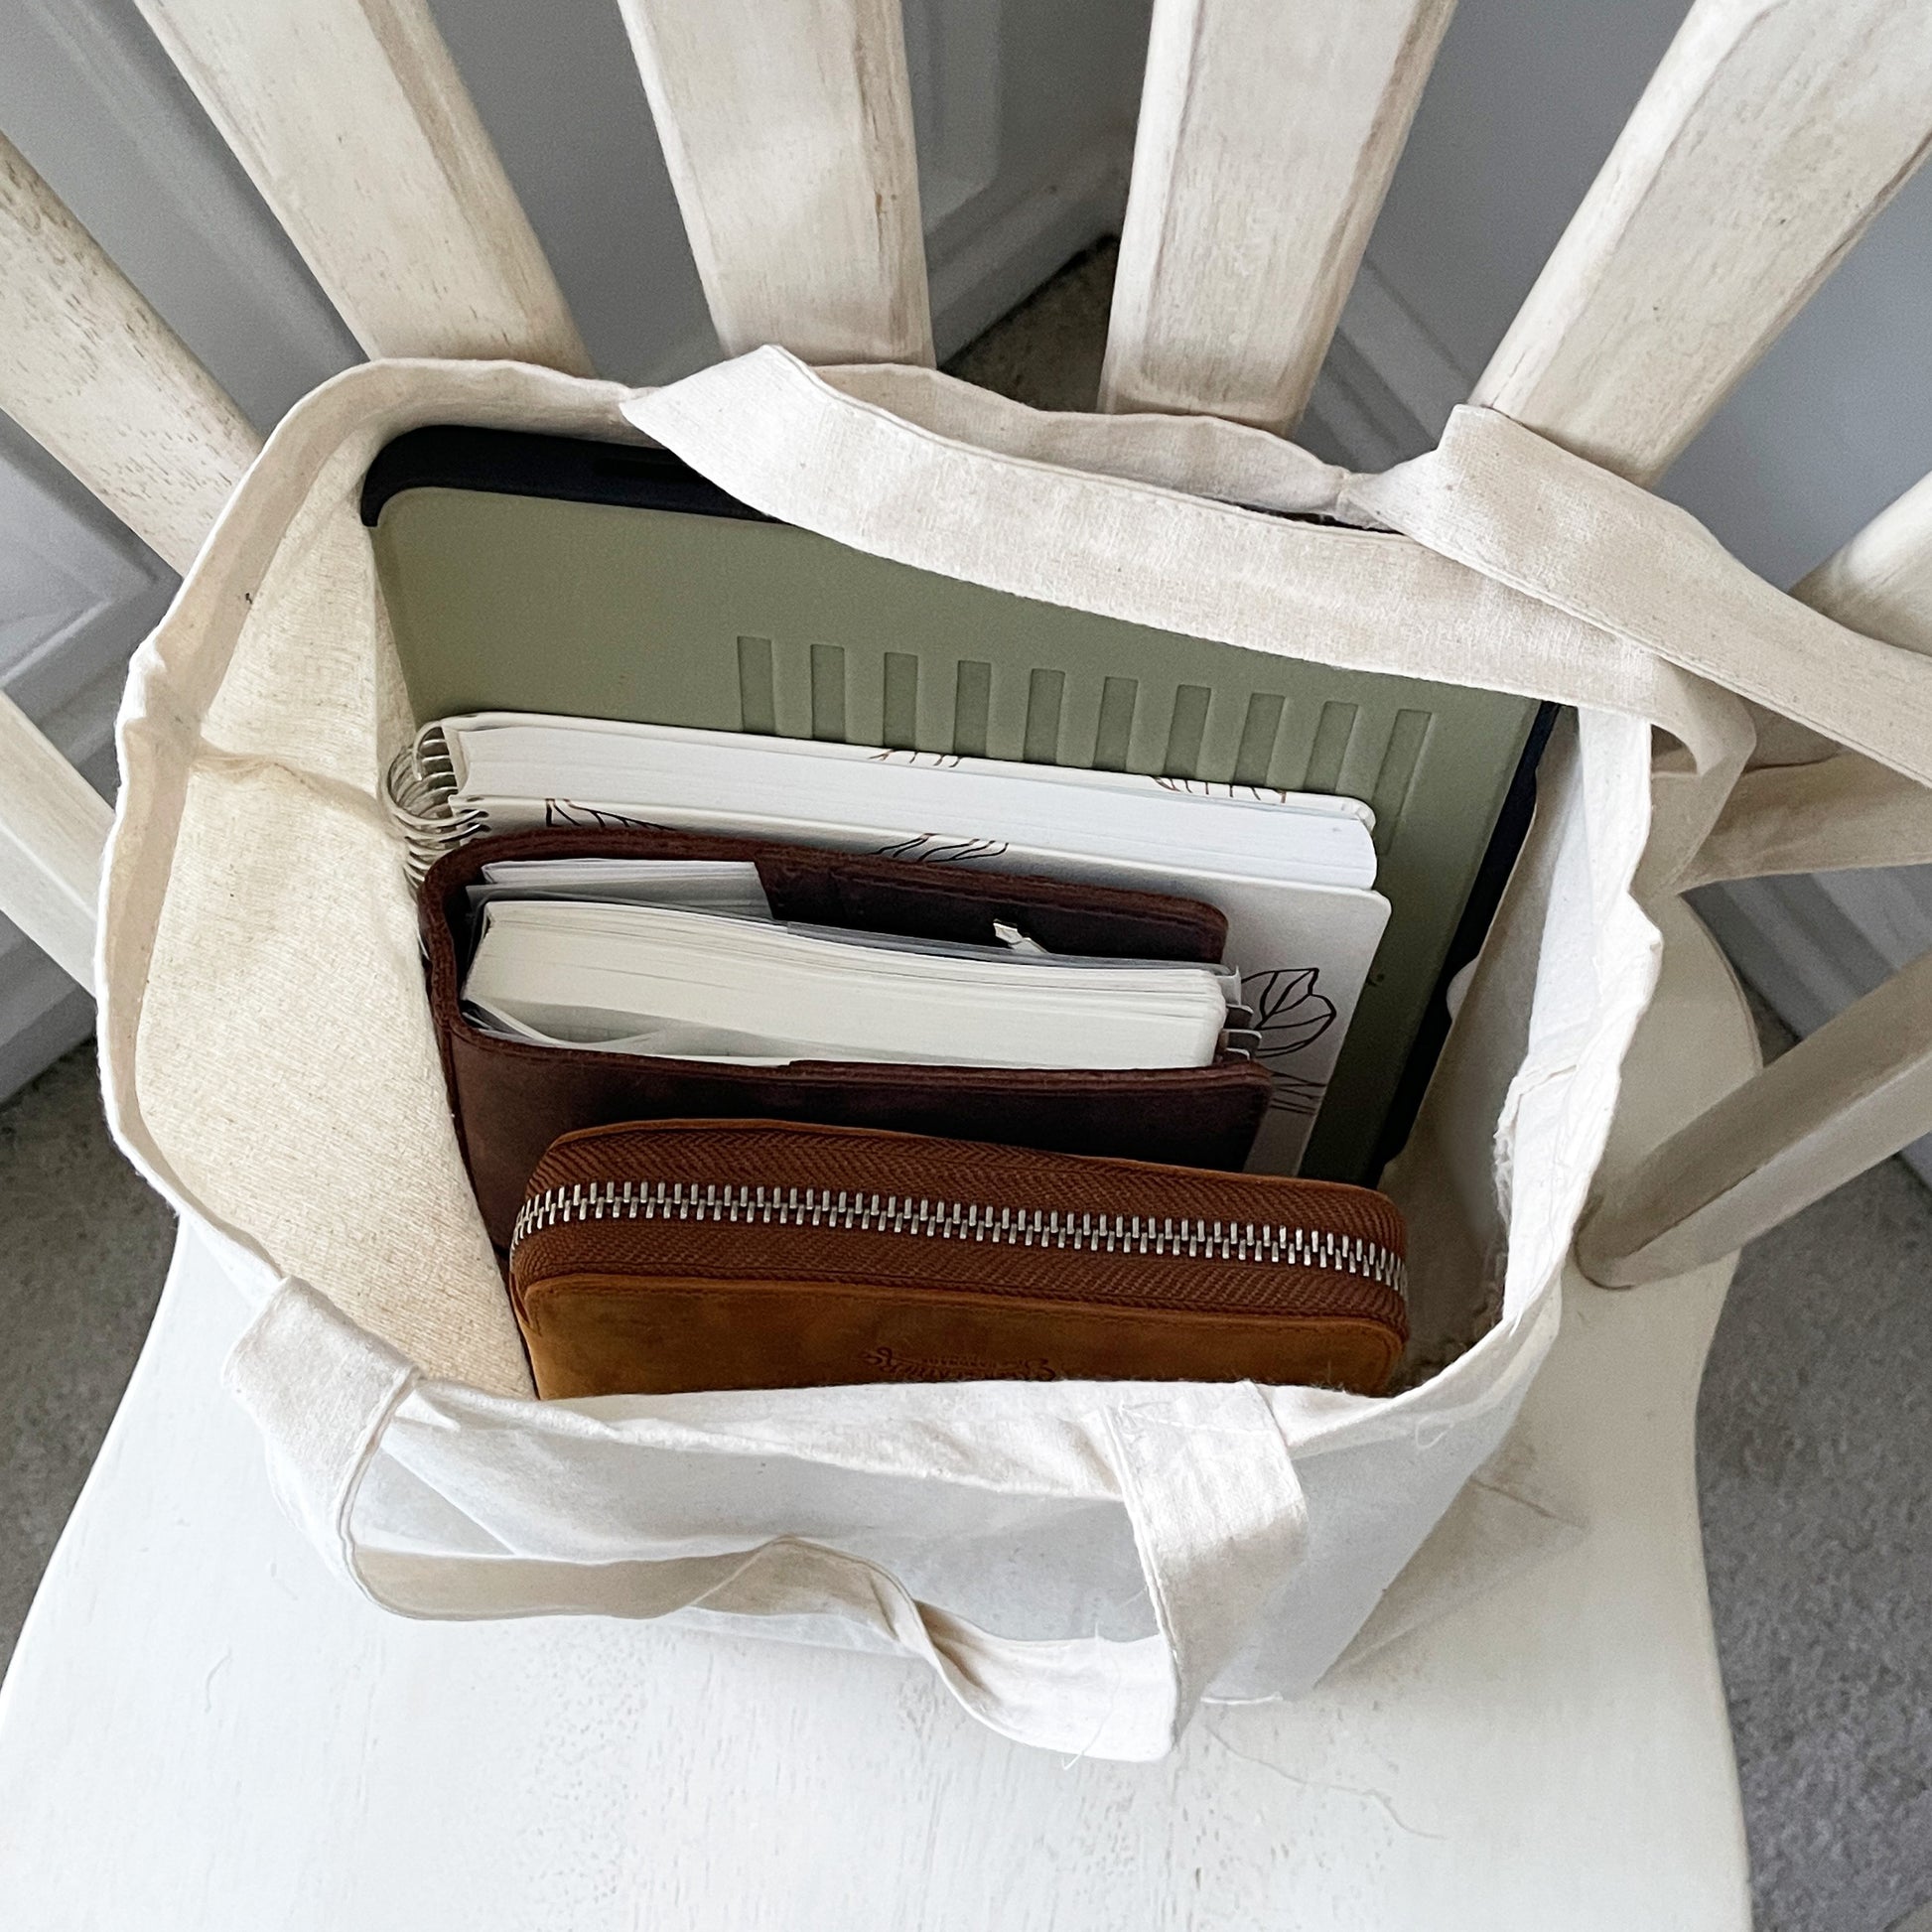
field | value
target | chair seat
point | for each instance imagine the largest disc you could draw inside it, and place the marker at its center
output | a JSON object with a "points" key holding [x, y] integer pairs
{"points": [[203, 1730]]}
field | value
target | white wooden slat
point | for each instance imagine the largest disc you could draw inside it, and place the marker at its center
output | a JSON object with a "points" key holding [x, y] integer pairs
{"points": [[353, 121], [92, 373], [1843, 1099], [1770, 134], [1268, 132], [788, 129], [1880, 582], [52, 828]]}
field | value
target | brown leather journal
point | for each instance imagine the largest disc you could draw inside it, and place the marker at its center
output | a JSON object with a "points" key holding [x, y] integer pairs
{"points": [[512, 1099], [681, 1255]]}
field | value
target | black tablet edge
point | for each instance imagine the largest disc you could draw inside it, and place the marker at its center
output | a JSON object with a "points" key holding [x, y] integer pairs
{"points": [[1471, 929], [566, 468]]}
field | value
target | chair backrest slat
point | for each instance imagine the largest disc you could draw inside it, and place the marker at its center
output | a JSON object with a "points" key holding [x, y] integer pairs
{"points": [[94, 374], [1844, 1098], [352, 121], [788, 129], [53, 831], [1268, 132], [1765, 141], [1881, 581]]}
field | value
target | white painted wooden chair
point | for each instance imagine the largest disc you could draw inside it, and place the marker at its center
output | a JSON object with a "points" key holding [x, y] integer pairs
{"points": [[200, 1731]]}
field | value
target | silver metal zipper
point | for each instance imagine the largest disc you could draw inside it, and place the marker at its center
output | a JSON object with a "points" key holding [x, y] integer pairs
{"points": [[952, 1220]]}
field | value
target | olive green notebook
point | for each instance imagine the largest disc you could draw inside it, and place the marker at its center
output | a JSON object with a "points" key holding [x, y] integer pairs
{"points": [[508, 591]]}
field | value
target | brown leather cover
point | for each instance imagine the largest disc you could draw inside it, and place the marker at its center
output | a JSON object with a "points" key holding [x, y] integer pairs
{"points": [[512, 1099], [684, 1255]]}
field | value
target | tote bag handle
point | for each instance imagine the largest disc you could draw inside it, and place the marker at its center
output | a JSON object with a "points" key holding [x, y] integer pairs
{"points": [[1518, 566], [1217, 1514]]}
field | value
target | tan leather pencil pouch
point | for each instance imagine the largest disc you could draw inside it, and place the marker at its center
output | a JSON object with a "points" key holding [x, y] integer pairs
{"points": [[676, 1255]]}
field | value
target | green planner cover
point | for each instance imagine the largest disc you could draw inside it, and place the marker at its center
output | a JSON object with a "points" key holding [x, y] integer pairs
{"points": [[726, 623]]}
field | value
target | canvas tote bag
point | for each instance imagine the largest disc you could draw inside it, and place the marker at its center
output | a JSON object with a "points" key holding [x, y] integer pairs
{"points": [[1080, 1562]]}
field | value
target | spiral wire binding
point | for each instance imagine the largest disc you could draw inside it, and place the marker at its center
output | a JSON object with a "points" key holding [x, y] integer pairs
{"points": [[422, 798]]}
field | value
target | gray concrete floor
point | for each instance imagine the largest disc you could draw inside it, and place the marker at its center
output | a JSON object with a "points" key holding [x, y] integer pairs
{"points": [[1813, 1431]]}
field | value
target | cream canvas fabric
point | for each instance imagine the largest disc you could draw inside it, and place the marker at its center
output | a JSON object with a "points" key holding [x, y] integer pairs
{"points": [[1079, 1563]]}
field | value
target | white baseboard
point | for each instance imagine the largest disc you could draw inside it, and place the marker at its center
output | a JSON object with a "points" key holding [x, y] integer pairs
{"points": [[983, 266], [1386, 387], [43, 1014], [980, 264]]}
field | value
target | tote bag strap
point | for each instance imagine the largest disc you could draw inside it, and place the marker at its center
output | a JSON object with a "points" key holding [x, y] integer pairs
{"points": [[1025, 505], [1600, 592], [1202, 1471]]}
